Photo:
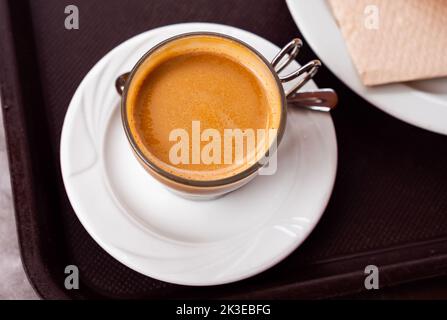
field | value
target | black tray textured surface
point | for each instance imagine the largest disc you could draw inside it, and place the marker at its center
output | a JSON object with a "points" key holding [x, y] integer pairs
{"points": [[389, 205]]}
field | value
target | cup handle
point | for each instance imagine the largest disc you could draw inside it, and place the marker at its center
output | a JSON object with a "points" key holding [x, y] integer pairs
{"points": [[120, 82], [285, 57], [317, 100]]}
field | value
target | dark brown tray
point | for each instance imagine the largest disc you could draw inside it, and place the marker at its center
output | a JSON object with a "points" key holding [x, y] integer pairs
{"points": [[389, 205]]}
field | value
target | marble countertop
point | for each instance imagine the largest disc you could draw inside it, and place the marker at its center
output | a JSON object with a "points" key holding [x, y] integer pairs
{"points": [[13, 281]]}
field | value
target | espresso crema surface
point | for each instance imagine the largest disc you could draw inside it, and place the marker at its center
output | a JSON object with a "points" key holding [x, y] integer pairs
{"points": [[199, 83]]}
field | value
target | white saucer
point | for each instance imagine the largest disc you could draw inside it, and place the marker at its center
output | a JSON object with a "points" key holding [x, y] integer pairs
{"points": [[151, 230], [420, 103]]}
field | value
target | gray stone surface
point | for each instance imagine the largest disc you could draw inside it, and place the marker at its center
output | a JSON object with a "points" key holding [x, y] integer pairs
{"points": [[13, 281]]}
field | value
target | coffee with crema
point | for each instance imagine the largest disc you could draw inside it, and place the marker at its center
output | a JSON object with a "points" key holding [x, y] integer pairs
{"points": [[199, 83]]}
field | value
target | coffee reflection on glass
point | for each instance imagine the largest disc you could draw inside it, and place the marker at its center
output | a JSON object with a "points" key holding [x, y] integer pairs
{"points": [[204, 112]]}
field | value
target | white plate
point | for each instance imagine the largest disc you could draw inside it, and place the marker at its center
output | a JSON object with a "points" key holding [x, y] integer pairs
{"points": [[421, 103], [151, 230]]}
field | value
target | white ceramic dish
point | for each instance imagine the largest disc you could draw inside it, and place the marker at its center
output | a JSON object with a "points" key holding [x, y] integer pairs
{"points": [[420, 103], [149, 229]]}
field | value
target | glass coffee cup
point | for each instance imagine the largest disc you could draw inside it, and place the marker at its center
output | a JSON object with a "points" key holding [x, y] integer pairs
{"points": [[212, 185]]}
